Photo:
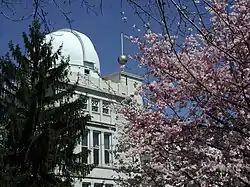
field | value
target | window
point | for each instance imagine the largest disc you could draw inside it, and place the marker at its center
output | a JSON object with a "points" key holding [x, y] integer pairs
{"points": [[105, 107], [107, 148], [95, 105], [85, 184], [98, 185], [89, 65], [86, 71], [96, 147], [85, 104], [109, 185], [85, 147], [101, 148]]}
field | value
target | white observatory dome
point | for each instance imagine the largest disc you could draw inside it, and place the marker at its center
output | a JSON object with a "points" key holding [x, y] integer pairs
{"points": [[77, 46]]}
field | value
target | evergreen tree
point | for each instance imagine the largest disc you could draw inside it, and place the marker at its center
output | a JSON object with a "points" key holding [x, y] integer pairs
{"points": [[41, 123]]}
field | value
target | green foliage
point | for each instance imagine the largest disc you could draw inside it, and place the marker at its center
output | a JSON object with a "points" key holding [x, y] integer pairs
{"points": [[40, 123]]}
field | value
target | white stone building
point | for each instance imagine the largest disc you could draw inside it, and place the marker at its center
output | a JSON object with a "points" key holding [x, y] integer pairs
{"points": [[102, 93]]}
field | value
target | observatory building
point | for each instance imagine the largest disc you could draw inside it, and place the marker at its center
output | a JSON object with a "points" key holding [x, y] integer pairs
{"points": [[102, 93]]}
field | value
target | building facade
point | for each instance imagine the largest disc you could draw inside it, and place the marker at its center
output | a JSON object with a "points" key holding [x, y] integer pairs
{"points": [[102, 93]]}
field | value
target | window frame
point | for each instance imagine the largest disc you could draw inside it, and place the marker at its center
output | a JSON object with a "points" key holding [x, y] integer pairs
{"points": [[86, 183], [89, 65], [108, 185], [95, 106], [109, 149], [106, 106], [99, 184], [87, 147], [86, 103], [97, 147]]}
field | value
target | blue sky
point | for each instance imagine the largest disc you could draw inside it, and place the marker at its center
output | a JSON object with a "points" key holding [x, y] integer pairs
{"points": [[104, 30]]}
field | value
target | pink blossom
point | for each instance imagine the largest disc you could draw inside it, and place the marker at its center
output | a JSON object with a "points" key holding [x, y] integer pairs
{"points": [[204, 136]]}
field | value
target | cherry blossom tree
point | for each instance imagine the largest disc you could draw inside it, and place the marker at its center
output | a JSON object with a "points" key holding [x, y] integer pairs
{"points": [[194, 126]]}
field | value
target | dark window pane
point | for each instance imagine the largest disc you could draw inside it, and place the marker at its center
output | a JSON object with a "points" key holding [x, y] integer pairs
{"points": [[94, 109], [107, 141], [98, 185], [85, 184], [85, 154], [105, 107], [107, 155], [86, 71], [95, 105], [96, 139], [85, 105], [96, 156], [105, 111], [85, 100], [85, 139], [108, 185]]}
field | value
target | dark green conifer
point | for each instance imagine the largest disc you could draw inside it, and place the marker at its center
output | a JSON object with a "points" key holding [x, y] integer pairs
{"points": [[40, 123]]}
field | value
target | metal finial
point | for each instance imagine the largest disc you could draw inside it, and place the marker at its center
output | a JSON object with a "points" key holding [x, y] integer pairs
{"points": [[122, 42]]}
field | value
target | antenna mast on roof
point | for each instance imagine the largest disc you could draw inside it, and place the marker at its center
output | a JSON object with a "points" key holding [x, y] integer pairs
{"points": [[122, 59], [122, 45]]}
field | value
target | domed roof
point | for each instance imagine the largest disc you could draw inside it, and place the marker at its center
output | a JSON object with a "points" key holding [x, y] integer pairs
{"points": [[76, 45]]}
